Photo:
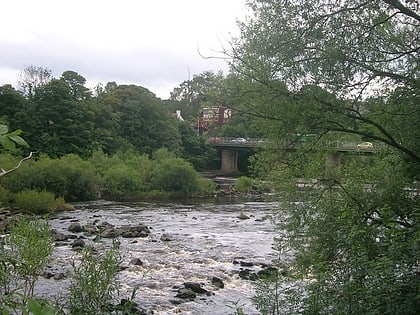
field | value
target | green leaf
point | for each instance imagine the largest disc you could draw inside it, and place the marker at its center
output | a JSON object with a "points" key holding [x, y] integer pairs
{"points": [[34, 307], [3, 129], [7, 143], [15, 133], [18, 140]]}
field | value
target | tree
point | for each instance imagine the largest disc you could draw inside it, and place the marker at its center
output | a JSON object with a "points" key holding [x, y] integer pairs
{"points": [[142, 120], [32, 78], [76, 84], [341, 70], [192, 95], [61, 123]]}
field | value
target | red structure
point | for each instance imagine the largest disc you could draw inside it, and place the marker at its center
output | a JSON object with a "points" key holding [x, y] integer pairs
{"points": [[211, 117]]}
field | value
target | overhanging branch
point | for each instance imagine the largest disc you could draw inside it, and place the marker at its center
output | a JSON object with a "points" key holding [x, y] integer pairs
{"points": [[5, 172]]}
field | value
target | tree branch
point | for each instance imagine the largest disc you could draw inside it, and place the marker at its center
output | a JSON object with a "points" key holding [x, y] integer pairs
{"points": [[4, 172], [404, 10]]}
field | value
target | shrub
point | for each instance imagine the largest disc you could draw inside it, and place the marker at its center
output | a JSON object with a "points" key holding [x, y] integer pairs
{"points": [[121, 182], [38, 202], [175, 175], [70, 177], [244, 184], [30, 245], [206, 186], [94, 286], [5, 196]]}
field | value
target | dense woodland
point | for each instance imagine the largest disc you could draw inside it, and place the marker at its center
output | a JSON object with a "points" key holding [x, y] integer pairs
{"points": [[330, 69]]}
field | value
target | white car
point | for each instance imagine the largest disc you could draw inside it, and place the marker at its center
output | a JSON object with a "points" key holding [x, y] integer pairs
{"points": [[239, 140], [365, 146]]}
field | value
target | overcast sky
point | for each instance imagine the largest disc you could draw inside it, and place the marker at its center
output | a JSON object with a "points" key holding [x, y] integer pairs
{"points": [[151, 43]]}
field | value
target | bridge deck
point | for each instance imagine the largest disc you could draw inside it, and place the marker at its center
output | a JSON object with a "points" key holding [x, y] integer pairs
{"points": [[338, 146]]}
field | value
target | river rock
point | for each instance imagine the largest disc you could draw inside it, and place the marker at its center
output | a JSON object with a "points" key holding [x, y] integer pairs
{"points": [[91, 229], [78, 243], [136, 262], [247, 274], [58, 236], [75, 227], [109, 233], [217, 282], [195, 287], [246, 263], [59, 276], [243, 216], [139, 230], [166, 237], [185, 293]]}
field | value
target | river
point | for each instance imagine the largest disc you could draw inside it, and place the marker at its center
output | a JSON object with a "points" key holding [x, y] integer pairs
{"points": [[207, 240]]}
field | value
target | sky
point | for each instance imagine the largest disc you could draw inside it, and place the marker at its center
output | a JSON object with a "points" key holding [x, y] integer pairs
{"points": [[156, 44]]}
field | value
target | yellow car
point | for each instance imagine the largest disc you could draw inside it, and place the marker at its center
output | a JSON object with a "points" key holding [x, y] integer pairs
{"points": [[365, 146]]}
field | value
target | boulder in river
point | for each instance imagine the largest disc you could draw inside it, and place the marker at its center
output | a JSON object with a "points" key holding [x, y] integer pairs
{"points": [[243, 216], [75, 227], [185, 293], [166, 237], [136, 262], [217, 282], [195, 287], [78, 243]]}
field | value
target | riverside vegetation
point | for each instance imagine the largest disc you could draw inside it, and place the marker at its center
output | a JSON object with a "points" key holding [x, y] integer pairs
{"points": [[44, 185], [333, 70]]}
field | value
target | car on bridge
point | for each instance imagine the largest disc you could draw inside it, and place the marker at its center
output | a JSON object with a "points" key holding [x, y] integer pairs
{"points": [[365, 146], [239, 140]]}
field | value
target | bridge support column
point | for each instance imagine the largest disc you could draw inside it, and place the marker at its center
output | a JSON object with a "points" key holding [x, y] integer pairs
{"points": [[332, 165], [229, 161]]}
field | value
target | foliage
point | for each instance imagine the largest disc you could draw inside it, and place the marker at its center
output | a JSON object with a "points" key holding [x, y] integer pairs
{"points": [[29, 246], [344, 71], [205, 187], [8, 140], [32, 79], [37, 202], [122, 181], [93, 287], [69, 177], [175, 175], [193, 95], [195, 148], [244, 184], [141, 119]]}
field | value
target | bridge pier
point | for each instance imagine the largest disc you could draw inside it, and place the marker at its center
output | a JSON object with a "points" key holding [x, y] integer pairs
{"points": [[229, 161], [332, 165]]}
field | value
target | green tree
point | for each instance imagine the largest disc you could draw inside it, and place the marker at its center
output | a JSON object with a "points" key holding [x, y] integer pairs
{"points": [[76, 83], [62, 121], [192, 95], [195, 148], [341, 70], [142, 119]]}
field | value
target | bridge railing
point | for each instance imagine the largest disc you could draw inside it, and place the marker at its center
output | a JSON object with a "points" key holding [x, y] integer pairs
{"points": [[254, 142]]}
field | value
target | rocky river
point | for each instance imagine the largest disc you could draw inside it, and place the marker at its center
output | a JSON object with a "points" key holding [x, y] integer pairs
{"points": [[218, 246]]}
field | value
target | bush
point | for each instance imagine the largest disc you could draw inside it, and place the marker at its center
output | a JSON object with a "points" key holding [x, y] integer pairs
{"points": [[121, 182], [206, 186], [38, 202], [70, 177], [94, 286], [244, 184], [175, 175], [30, 245], [5, 196]]}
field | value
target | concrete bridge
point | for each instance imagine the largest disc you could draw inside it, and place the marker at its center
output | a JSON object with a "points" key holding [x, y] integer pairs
{"points": [[230, 146]]}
